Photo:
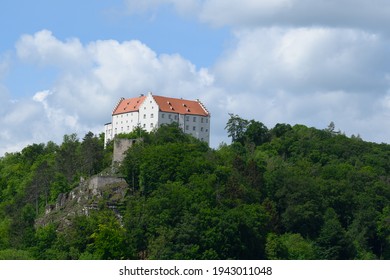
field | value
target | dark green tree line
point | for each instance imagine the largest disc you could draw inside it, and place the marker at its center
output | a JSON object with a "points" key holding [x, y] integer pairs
{"points": [[288, 192]]}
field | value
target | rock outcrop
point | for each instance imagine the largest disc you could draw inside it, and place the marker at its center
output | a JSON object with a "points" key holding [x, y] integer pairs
{"points": [[103, 190], [97, 191]]}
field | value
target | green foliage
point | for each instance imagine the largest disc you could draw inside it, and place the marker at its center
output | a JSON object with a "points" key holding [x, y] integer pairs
{"points": [[5, 233], [333, 241], [289, 192], [108, 239], [138, 132], [289, 246], [236, 128], [12, 254]]}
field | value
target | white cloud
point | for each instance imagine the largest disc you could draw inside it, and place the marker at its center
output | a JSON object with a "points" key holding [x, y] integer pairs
{"points": [[292, 61], [3, 67], [371, 14], [310, 76], [15, 120], [306, 58], [82, 100], [41, 96], [44, 49]]}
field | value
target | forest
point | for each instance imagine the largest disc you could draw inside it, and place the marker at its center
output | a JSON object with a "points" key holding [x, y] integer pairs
{"points": [[290, 192]]}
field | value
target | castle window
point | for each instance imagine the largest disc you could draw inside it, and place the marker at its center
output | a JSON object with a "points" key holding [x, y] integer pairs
{"points": [[194, 128], [187, 128], [144, 125], [169, 116], [207, 120], [187, 118], [162, 116], [201, 129], [144, 116], [175, 117], [201, 120], [194, 119], [151, 116], [151, 125]]}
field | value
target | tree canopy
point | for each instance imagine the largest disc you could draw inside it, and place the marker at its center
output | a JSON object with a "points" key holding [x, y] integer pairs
{"points": [[288, 192]]}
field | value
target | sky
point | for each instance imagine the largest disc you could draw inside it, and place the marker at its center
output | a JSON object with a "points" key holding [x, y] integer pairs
{"points": [[64, 64]]}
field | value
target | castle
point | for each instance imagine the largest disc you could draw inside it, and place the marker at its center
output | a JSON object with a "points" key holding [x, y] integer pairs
{"points": [[151, 111]]}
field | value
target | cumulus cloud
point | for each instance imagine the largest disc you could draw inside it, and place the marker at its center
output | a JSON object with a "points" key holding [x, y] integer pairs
{"points": [[292, 61], [17, 118], [309, 75], [92, 79], [44, 49], [306, 58]]}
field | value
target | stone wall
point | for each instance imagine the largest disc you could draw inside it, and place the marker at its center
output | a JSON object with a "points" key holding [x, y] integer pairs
{"points": [[120, 148]]}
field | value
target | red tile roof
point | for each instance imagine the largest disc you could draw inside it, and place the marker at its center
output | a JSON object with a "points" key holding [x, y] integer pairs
{"points": [[180, 106], [128, 105], [166, 104]]}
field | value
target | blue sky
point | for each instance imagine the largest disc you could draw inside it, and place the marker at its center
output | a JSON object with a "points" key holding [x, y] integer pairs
{"points": [[64, 64]]}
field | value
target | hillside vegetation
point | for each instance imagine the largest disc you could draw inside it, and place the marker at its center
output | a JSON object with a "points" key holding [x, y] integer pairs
{"points": [[290, 192]]}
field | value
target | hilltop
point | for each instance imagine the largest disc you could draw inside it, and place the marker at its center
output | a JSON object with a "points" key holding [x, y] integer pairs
{"points": [[289, 192]]}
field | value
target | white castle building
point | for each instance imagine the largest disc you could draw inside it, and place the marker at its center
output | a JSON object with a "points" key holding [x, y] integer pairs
{"points": [[150, 111]]}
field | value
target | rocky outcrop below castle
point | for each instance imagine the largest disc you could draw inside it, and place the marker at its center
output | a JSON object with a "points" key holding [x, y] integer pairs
{"points": [[91, 194]]}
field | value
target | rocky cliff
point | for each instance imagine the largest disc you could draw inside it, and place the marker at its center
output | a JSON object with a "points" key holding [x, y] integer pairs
{"points": [[97, 191], [103, 190]]}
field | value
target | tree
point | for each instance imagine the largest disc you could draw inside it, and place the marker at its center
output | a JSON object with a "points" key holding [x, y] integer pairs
{"points": [[91, 154], [109, 238], [169, 133], [43, 175], [68, 158], [236, 128], [383, 230], [257, 133], [289, 246], [280, 129], [331, 129], [333, 242]]}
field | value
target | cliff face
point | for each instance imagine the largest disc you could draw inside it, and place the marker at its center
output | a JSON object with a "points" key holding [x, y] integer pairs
{"points": [[100, 190], [89, 195]]}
